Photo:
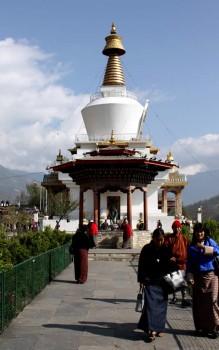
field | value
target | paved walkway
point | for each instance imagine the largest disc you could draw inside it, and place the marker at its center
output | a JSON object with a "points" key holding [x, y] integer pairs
{"points": [[98, 315]]}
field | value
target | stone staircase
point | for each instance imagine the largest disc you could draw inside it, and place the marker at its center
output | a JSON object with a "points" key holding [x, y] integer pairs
{"points": [[99, 254]]}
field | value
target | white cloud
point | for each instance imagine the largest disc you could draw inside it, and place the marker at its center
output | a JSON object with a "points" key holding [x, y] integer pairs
{"points": [[193, 169], [38, 115], [198, 154], [154, 95]]}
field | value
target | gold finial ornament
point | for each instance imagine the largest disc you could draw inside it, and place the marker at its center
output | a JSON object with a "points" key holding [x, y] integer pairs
{"points": [[170, 157], [113, 49], [113, 30], [59, 157], [113, 44], [112, 140]]}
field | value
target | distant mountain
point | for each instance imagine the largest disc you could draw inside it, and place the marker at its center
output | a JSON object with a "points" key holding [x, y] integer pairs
{"points": [[13, 181], [201, 187], [210, 209]]}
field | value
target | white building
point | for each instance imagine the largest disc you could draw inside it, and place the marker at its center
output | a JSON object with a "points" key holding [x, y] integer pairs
{"points": [[114, 144]]}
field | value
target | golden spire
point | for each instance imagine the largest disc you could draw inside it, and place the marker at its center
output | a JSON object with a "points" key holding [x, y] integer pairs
{"points": [[112, 140], [170, 157], [113, 49], [59, 157]]}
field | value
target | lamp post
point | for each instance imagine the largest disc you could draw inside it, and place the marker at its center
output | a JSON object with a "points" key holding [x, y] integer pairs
{"points": [[199, 214], [40, 198], [46, 205]]}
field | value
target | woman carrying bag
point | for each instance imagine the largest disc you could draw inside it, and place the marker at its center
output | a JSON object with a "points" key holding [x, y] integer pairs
{"points": [[154, 263]]}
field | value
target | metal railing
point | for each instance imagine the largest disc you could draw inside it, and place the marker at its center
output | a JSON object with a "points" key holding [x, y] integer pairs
{"points": [[110, 93], [21, 284], [107, 137]]}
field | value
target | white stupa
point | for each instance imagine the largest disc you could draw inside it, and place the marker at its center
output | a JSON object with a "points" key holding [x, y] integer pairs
{"points": [[113, 120], [113, 108]]}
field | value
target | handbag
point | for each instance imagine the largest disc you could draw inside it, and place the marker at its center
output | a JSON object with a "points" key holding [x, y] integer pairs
{"points": [[71, 250], [140, 301], [91, 241], [216, 265], [174, 281]]}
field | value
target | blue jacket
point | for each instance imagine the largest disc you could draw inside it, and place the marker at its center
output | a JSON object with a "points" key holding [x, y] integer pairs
{"points": [[197, 261]]}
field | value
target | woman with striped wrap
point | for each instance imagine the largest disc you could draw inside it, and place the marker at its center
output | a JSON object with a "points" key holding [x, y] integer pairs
{"points": [[200, 274]]}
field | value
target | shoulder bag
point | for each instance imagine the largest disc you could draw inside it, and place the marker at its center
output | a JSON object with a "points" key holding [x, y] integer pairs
{"points": [[71, 250], [174, 281]]}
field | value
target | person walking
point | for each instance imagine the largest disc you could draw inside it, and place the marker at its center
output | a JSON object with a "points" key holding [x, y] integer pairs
{"points": [[178, 245], [154, 263], [159, 224], [200, 274], [93, 231], [57, 225], [80, 243], [127, 234]]}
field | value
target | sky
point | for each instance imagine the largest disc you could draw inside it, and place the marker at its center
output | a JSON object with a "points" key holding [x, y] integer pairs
{"points": [[51, 62]]}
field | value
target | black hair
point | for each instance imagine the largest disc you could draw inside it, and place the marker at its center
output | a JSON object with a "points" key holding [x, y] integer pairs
{"points": [[82, 228], [158, 232], [199, 227]]}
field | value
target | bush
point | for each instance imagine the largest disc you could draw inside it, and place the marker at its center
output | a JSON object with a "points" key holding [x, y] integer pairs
{"points": [[3, 232], [212, 226], [18, 249], [186, 232]]}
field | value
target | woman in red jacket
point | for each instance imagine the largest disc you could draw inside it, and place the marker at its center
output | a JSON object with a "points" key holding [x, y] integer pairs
{"points": [[93, 231], [127, 234]]}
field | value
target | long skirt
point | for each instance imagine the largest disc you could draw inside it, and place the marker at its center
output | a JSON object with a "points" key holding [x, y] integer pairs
{"points": [[205, 302], [153, 317], [127, 243], [81, 265]]}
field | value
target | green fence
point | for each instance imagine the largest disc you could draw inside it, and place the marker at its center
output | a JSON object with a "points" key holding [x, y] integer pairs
{"points": [[20, 285]]}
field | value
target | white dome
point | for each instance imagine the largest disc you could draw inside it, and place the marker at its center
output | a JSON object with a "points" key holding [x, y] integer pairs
{"points": [[120, 114]]}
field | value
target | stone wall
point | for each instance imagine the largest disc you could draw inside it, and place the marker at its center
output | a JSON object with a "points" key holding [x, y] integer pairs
{"points": [[113, 239]]}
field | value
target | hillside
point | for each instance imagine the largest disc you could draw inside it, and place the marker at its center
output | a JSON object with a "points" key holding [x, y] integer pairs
{"points": [[210, 209], [201, 186], [13, 181], [200, 191]]}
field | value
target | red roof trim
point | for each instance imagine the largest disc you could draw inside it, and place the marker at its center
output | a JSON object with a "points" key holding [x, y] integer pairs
{"points": [[65, 167]]}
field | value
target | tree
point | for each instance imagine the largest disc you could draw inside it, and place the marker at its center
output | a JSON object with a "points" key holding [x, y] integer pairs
{"points": [[3, 232], [22, 198], [212, 226], [15, 219], [33, 191], [62, 205]]}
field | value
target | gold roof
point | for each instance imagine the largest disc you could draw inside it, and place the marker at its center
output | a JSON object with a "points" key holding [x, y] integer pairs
{"points": [[113, 49], [154, 150]]}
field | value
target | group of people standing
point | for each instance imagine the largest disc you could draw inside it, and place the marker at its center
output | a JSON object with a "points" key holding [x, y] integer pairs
{"points": [[164, 254], [170, 253]]}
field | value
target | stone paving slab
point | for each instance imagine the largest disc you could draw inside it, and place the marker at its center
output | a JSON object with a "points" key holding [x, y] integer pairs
{"points": [[99, 314]]}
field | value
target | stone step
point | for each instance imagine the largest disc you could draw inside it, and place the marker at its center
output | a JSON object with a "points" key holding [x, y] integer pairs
{"points": [[114, 255]]}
